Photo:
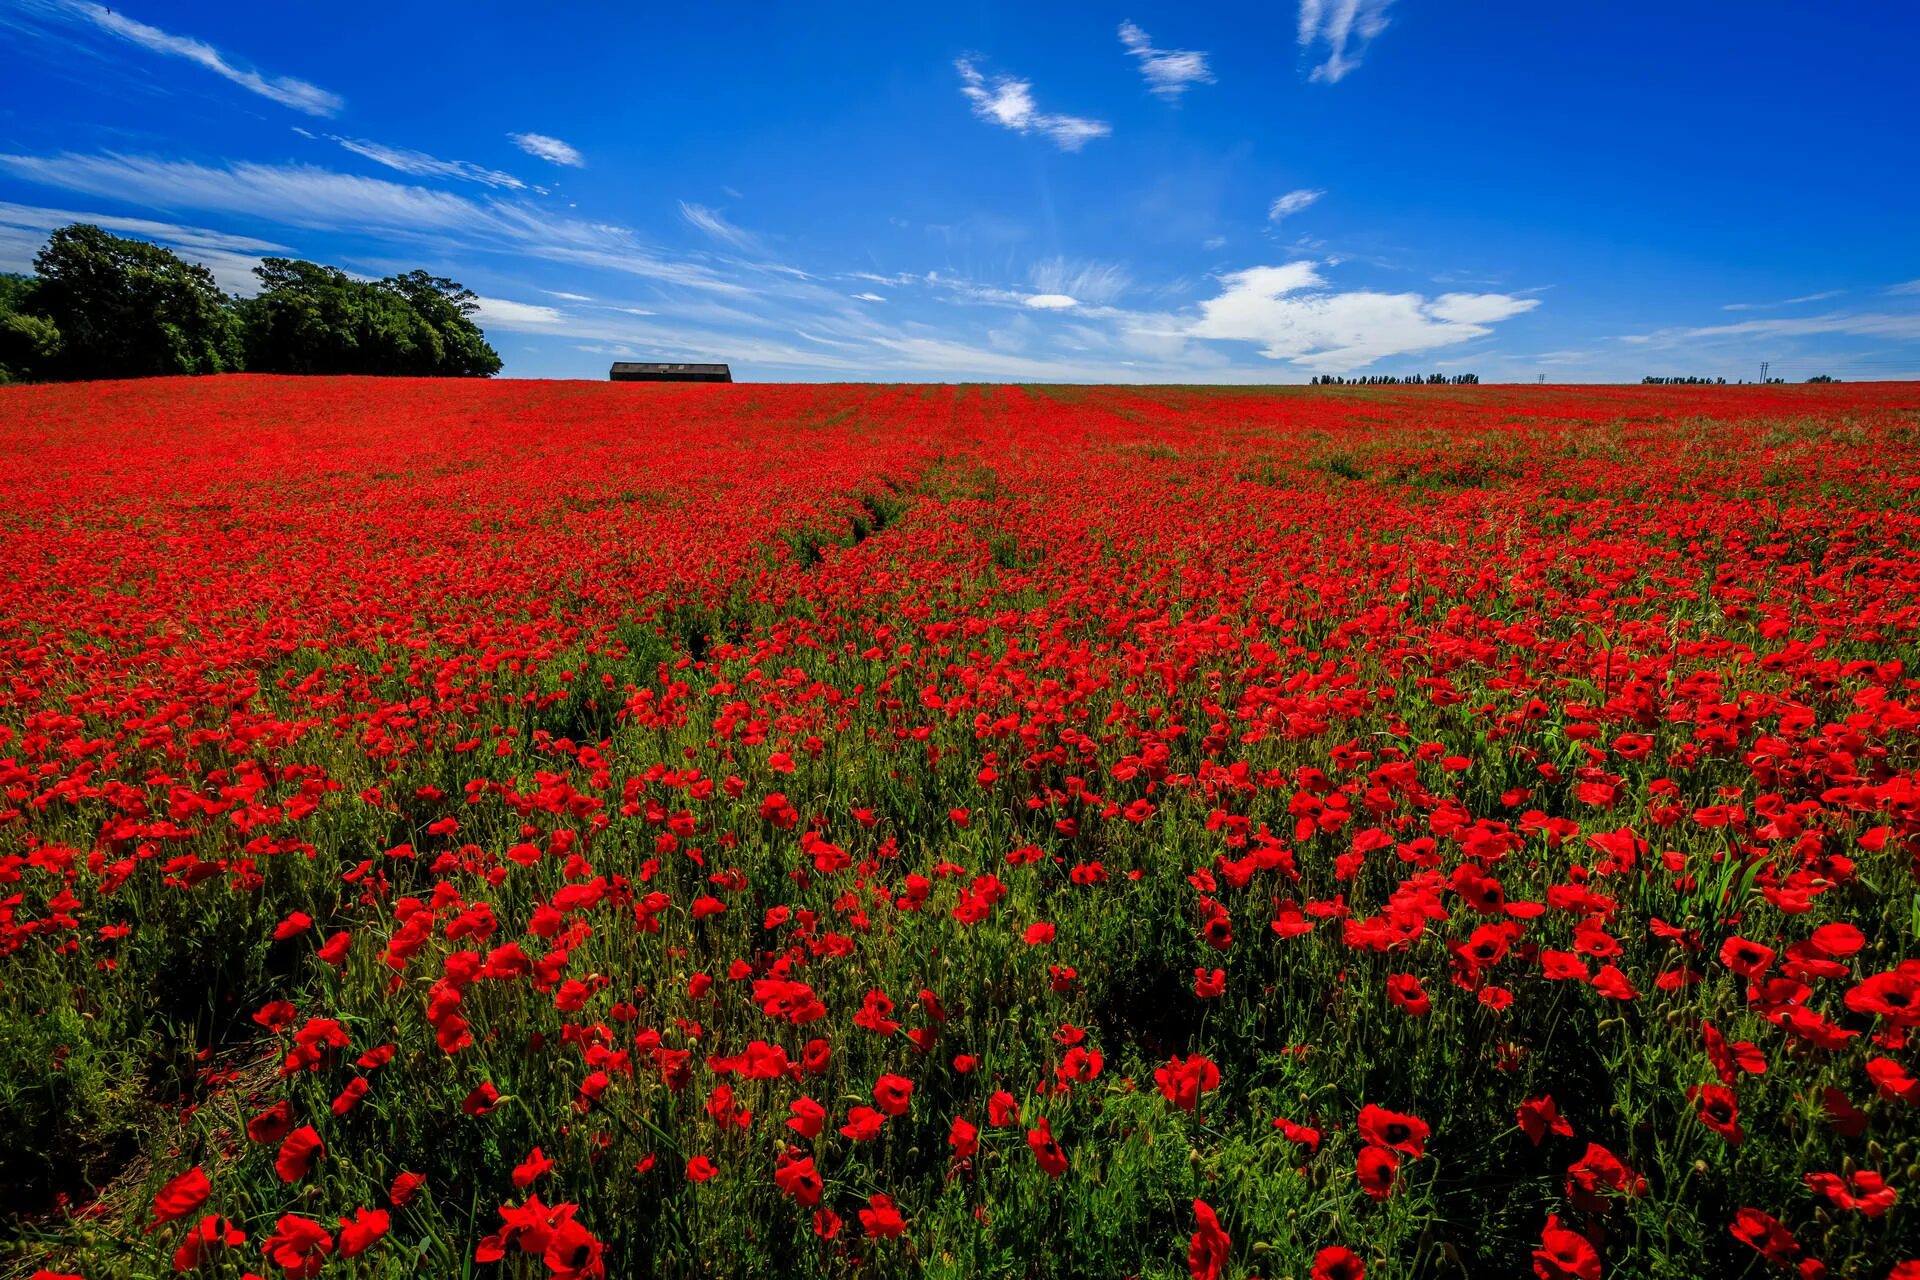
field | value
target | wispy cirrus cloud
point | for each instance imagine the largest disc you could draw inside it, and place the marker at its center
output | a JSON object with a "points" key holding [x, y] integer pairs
{"points": [[421, 165], [1866, 324], [710, 222], [1345, 28], [1911, 286], [311, 197], [231, 258], [1783, 302], [288, 91], [1095, 282], [1169, 72], [550, 149], [1009, 103], [1291, 203]]}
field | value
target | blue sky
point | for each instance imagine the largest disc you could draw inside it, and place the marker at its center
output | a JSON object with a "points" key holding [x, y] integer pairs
{"points": [[1144, 192]]}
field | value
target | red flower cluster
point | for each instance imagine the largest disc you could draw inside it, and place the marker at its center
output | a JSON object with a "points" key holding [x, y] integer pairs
{"points": [[830, 830]]}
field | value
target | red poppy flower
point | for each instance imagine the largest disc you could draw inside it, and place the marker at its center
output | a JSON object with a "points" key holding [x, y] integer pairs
{"points": [[1208, 1248], [359, 1234], [1047, 1152], [700, 1169], [1377, 1169], [350, 1095], [205, 1241], [531, 1168], [1539, 1116], [1894, 1082], [863, 1124], [1404, 989], [1764, 1232], [1863, 1191], [1337, 1262], [298, 1154], [1310, 1138], [809, 1117], [1393, 1130], [181, 1196], [293, 926], [405, 1187], [894, 1094], [298, 1246], [799, 1180], [1719, 1110], [1893, 995], [1564, 1254], [1746, 958], [964, 1138], [1182, 1081], [880, 1219]]}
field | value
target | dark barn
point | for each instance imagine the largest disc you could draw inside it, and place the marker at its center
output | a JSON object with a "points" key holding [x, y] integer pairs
{"points": [[629, 371]]}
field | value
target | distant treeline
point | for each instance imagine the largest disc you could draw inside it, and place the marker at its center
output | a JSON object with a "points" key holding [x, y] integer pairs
{"points": [[1411, 380], [1655, 381], [104, 306]]}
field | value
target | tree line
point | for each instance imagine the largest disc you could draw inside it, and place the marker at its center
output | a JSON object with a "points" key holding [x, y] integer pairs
{"points": [[1657, 381], [1411, 380], [104, 306]]}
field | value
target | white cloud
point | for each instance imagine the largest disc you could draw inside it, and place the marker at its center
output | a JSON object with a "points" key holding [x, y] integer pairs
{"points": [[1051, 302], [716, 226], [1346, 27], [1289, 313], [566, 297], [524, 317], [1478, 308], [551, 150], [422, 165], [1009, 103], [1911, 286], [1291, 203], [285, 90], [867, 297], [1169, 72]]}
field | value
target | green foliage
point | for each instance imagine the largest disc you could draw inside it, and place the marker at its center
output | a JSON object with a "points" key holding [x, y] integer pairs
{"points": [[104, 306], [313, 319], [447, 306], [69, 1093], [128, 309], [29, 343]]}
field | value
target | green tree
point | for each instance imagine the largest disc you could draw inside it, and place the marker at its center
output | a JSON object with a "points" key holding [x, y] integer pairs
{"points": [[123, 308], [308, 318], [29, 343], [448, 306]]}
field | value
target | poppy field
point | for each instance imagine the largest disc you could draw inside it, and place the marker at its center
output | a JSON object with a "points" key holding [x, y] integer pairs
{"points": [[556, 830]]}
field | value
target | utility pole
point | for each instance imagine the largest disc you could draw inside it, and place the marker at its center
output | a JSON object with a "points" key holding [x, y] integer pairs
{"points": [[1764, 366]]}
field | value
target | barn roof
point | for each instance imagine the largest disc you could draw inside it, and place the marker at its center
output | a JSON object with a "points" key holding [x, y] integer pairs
{"points": [[668, 371]]}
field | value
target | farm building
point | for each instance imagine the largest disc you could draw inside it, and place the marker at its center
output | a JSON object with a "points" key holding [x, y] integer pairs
{"points": [[629, 371]]}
